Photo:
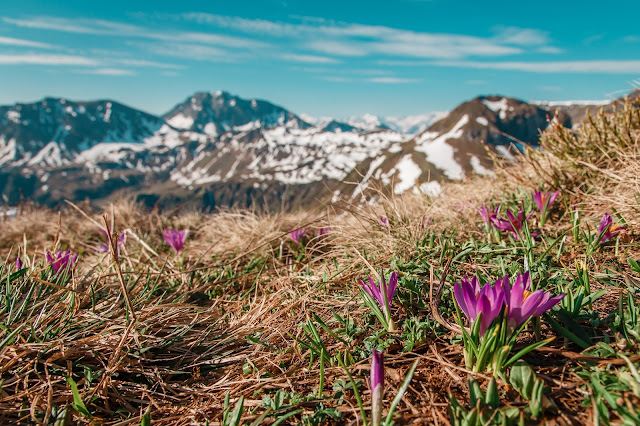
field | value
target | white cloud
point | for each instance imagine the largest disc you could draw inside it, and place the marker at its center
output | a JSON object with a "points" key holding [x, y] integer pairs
{"points": [[350, 39], [310, 59], [392, 80], [118, 29], [521, 36], [338, 48], [550, 49], [150, 64], [109, 71], [187, 51], [594, 66], [25, 43], [34, 59]]}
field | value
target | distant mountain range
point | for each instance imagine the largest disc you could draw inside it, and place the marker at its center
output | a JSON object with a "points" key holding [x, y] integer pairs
{"points": [[216, 149]]}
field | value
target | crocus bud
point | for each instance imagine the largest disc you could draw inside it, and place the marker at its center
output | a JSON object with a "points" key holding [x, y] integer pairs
{"points": [[377, 386], [19, 264], [175, 239]]}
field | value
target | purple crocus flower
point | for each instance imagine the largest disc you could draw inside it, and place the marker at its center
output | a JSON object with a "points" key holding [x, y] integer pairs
{"points": [[175, 238], [383, 294], [512, 224], [324, 231], [608, 229], [544, 201], [61, 260], [474, 299], [296, 235], [377, 386], [487, 214], [19, 264], [384, 221], [104, 248], [522, 304]]}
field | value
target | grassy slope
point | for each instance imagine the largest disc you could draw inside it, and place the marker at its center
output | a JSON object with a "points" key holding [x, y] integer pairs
{"points": [[224, 316]]}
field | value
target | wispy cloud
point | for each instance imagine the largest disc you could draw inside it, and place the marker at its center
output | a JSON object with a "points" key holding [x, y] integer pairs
{"points": [[149, 64], [393, 80], [33, 59], [594, 66], [631, 39], [109, 71], [189, 51], [521, 36], [351, 39], [550, 49], [119, 29], [309, 59], [25, 43]]}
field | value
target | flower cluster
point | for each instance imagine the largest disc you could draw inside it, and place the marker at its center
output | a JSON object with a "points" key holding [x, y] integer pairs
{"points": [[497, 314], [519, 302]]}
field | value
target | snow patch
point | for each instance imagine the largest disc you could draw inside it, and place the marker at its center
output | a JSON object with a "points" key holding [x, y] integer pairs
{"points": [[408, 174], [483, 121], [479, 168], [430, 189], [181, 121], [440, 153]]}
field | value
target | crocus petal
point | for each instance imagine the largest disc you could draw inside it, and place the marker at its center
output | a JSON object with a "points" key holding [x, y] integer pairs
{"points": [[537, 197], [458, 292], [531, 303], [393, 285], [471, 293], [484, 306], [544, 307]]}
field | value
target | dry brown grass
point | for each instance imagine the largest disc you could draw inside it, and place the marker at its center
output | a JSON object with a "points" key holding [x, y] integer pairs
{"points": [[224, 315]]}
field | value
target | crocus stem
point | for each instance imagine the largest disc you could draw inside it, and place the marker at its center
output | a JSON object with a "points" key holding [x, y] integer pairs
{"points": [[376, 408]]}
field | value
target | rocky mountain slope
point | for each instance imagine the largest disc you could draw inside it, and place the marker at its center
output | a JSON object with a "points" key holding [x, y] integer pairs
{"points": [[216, 149]]}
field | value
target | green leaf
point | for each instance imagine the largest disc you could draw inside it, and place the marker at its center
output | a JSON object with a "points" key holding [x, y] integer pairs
{"points": [[146, 418], [78, 404], [492, 399], [528, 349], [522, 378]]}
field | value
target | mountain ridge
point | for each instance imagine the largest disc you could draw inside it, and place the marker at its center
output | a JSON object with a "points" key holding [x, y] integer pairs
{"points": [[213, 147]]}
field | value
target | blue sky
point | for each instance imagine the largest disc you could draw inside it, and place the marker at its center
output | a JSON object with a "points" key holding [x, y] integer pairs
{"points": [[324, 58]]}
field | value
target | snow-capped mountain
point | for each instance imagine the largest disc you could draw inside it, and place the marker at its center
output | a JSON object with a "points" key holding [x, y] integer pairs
{"points": [[54, 132], [220, 112], [409, 125], [216, 149]]}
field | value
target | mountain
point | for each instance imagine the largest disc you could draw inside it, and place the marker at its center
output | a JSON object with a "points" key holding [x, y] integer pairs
{"points": [[216, 149], [220, 112], [409, 125], [54, 131]]}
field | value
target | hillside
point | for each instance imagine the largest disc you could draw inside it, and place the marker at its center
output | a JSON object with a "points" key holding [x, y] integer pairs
{"points": [[216, 150], [246, 319]]}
